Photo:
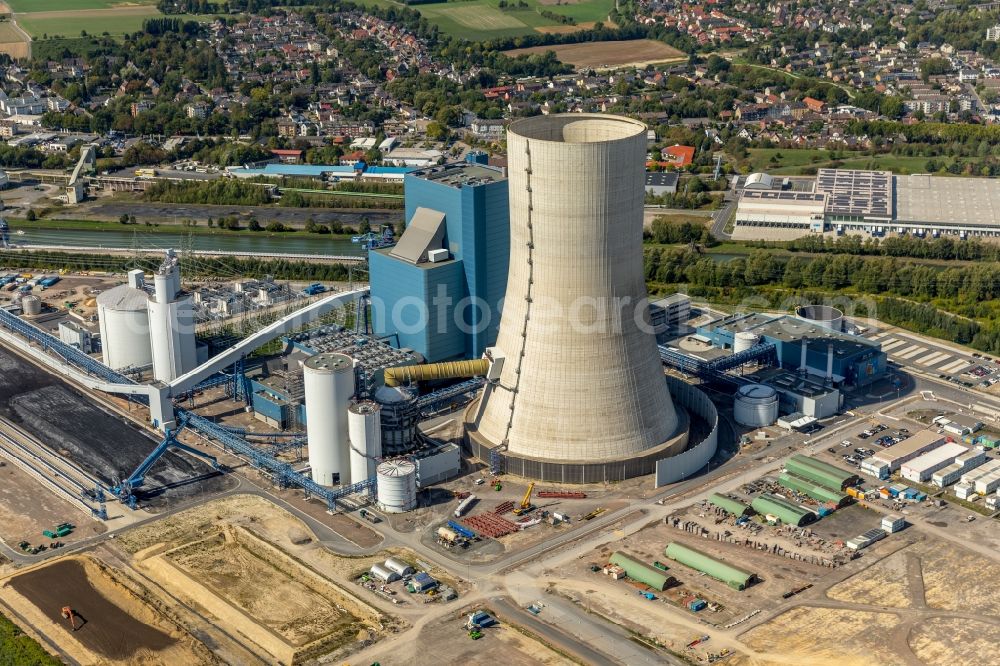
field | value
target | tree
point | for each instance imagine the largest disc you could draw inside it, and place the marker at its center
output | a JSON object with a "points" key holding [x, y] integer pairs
{"points": [[253, 224], [31, 216]]}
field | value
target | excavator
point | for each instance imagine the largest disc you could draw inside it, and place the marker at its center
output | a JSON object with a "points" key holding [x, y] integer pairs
{"points": [[526, 505], [70, 615]]}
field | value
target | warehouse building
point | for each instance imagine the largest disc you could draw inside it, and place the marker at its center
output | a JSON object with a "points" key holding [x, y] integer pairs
{"points": [[987, 468], [813, 490], [820, 473], [785, 511], [922, 467], [800, 394], [830, 356], [873, 203], [643, 573], [887, 461], [730, 575], [729, 505], [953, 472]]}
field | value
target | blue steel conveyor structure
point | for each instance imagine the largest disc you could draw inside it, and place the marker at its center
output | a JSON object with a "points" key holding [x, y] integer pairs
{"points": [[764, 353], [124, 489]]}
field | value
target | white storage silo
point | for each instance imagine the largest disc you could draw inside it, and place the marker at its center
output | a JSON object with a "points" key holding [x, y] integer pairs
{"points": [[756, 405], [171, 323], [328, 380], [124, 324], [743, 341], [397, 486], [31, 305], [583, 381], [364, 428]]}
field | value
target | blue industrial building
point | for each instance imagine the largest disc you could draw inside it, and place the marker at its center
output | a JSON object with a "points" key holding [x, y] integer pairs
{"points": [[845, 359], [438, 290]]}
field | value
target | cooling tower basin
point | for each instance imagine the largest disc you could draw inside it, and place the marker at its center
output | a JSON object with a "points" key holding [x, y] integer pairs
{"points": [[823, 315], [582, 381]]}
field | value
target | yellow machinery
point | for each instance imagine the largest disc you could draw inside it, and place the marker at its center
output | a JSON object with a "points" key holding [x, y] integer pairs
{"points": [[406, 374], [525, 501]]}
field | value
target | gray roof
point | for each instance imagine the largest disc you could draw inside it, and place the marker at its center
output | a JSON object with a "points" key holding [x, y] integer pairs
{"points": [[425, 232], [123, 297], [661, 178], [940, 200]]}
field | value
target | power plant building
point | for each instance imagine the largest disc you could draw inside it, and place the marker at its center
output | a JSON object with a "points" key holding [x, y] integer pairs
{"points": [[438, 290], [823, 352], [581, 395]]}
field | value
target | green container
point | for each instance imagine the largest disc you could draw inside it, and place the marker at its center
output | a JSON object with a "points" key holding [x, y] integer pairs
{"points": [[63, 531], [49, 533]]}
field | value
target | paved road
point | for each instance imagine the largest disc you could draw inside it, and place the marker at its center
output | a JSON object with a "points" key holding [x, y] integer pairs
{"points": [[721, 218]]}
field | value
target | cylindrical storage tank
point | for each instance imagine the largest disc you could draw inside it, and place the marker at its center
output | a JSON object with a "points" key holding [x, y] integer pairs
{"points": [[328, 380], [822, 315], [124, 324], [447, 534], [397, 486], [364, 427], [756, 405], [31, 305], [575, 311], [743, 341]]}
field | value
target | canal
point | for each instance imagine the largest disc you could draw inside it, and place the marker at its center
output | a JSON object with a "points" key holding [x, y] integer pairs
{"points": [[293, 243]]}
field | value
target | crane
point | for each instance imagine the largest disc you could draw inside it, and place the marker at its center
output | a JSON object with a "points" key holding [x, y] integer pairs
{"points": [[70, 615], [525, 501], [124, 488]]}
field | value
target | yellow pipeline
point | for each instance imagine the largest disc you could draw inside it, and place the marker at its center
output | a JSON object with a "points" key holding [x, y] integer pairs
{"points": [[418, 373]]}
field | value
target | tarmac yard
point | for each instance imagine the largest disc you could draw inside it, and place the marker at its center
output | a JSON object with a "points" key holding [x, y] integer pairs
{"points": [[102, 443], [114, 626]]}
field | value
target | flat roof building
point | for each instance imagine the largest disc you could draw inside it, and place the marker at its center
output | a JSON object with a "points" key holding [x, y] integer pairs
{"points": [[778, 214], [659, 183], [917, 444], [922, 467], [855, 360]]}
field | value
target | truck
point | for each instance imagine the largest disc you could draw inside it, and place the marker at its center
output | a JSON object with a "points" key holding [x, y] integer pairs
{"points": [[145, 173], [369, 516]]}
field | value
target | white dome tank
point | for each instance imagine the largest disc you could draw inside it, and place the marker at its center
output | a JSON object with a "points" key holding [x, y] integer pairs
{"points": [[743, 341], [756, 405], [397, 486], [329, 386], [31, 305], [124, 324], [364, 427]]}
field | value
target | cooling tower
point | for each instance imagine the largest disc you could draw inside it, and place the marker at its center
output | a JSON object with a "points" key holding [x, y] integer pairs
{"points": [[581, 381]]}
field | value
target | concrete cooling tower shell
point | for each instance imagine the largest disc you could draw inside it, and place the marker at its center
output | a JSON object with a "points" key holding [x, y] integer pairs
{"points": [[581, 381]]}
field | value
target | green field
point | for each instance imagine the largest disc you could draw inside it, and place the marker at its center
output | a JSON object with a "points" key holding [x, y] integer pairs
{"points": [[795, 161], [19, 6], [95, 24], [478, 20]]}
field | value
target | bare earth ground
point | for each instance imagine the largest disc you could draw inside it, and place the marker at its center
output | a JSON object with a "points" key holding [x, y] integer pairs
{"points": [[444, 641], [115, 625], [258, 571], [608, 54], [821, 636], [946, 641], [27, 508]]}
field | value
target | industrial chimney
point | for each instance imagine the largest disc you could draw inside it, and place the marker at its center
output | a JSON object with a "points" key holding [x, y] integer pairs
{"points": [[582, 382]]}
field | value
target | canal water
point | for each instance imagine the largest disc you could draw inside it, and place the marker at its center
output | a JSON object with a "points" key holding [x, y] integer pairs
{"points": [[293, 243]]}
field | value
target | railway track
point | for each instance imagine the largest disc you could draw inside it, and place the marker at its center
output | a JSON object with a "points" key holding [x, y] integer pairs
{"points": [[54, 471]]}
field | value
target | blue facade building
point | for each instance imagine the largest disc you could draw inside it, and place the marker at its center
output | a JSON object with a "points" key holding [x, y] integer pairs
{"points": [[438, 290], [850, 359]]}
